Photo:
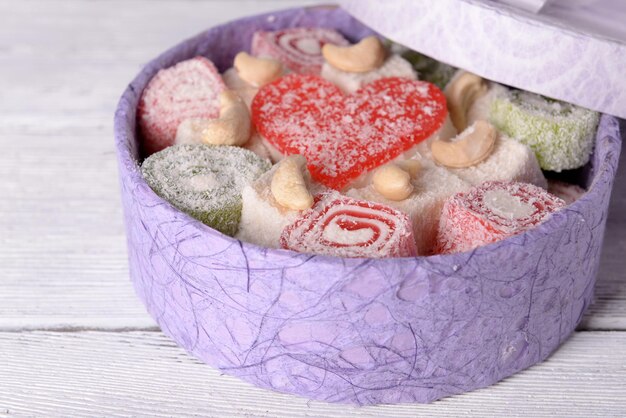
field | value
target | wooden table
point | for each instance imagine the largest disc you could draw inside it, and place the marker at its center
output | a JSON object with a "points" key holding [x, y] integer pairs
{"points": [[74, 339]]}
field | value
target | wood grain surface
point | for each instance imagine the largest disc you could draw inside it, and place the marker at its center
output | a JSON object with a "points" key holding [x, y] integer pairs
{"points": [[74, 339]]}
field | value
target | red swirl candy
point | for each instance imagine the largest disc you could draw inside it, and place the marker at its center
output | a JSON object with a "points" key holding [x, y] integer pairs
{"points": [[299, 49], [189, 89], [344, 136], [491, 212], [341, 226]]}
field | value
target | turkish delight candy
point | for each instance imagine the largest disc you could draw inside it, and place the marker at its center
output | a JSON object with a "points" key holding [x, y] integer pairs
{"points": [[205, 181], [509, 161], [566, 191], [344, 136], [299, 49], [560, 134], [263, 217], [505, 160], [431, 186], [341, 226], [492, 212], [188, 90], [349, 82]]}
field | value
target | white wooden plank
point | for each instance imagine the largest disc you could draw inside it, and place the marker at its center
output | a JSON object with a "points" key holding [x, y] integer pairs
{"points": [[144, 374], [62, 245], [48, 72]]}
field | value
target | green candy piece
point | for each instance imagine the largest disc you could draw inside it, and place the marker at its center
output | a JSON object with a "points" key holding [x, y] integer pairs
{"points": [[560, 134], [205, 181]]}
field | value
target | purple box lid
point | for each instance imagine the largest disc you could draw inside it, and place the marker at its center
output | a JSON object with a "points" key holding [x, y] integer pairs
{"points": [[574, 52]]}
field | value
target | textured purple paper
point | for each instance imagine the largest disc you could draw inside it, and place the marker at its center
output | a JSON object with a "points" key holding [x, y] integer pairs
{"points": [[505, 44], [356, 330]]}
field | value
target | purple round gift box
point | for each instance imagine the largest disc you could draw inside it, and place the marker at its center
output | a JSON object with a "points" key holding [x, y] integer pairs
{"points": [[362, 331]]}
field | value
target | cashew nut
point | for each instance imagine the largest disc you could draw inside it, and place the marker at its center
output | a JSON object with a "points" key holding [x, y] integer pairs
{"points": [[257, 71], [461, 93], [365, 56], [410, 166], [232, 127], [392, 182], [469, 148], [288, 185]]}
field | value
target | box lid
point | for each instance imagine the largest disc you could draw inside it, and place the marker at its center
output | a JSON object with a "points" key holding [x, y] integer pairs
{"points": [[571, 50]]}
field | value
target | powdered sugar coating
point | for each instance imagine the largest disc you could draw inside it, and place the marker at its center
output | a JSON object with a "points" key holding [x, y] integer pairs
{"points": [[510, 160], [340, 226], [205, 181], [262, 217], [345, 136], [299, 49], [491, 212], [560, 134], [189, 89], [349, 82], [431, 187]]}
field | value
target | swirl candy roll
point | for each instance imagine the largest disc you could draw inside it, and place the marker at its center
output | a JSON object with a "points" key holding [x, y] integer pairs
{"points": [[204, 181], [188, 90], [341, 226], [560, 134], [491, 212], [299, 49]]}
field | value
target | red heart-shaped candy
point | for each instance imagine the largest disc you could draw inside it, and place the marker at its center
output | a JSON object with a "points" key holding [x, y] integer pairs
{"points": [[344, 136]]}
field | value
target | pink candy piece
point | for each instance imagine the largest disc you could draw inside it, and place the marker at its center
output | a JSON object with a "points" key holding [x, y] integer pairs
{"points": [[341, 226], [568, 192], [189, 89], [491, 212], [299, 49]]}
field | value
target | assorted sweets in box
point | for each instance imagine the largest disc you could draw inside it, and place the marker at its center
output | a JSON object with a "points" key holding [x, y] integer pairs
{"points": [[321, 211]]}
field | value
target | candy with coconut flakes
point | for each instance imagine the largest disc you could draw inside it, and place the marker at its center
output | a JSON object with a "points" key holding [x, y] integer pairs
{"points": [[344, 136], [560, 134], [492, 212], [431, 185], [264, 215], [345, 227], [188, 90], [204, 181], [299, 49], [349, 82], [479, 154]]}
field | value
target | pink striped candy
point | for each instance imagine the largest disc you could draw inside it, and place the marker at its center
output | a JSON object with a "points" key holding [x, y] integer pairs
{"points": [[341, 226], [189, 89], [299, 49], [491, 212]]}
